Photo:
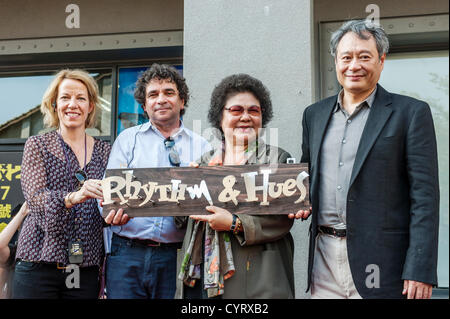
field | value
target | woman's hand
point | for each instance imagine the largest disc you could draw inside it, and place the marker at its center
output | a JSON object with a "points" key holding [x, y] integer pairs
{"points": [[219, 220], [92, 188], [303, 214], [194, 164]]}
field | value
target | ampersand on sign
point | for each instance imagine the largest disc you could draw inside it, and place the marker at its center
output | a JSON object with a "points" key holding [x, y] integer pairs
{"points": [[229, 194]]}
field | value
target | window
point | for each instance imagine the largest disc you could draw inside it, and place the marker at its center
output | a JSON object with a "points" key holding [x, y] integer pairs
{"points": [[424, 75], [130, 113], [20, 99]]}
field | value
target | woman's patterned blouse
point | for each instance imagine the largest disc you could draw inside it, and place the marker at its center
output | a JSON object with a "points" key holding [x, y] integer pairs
{"points": [[47, 177]]}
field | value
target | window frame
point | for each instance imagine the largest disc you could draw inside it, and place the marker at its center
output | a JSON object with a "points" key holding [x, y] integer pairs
{"points": [[17, 144], [18, 141]]}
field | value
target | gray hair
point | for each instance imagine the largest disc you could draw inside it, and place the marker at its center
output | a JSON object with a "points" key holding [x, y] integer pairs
{"points": [[361, 28]]}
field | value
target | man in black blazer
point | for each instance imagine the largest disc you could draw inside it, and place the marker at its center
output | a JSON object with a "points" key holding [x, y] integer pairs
{"points": [[373, 180]]}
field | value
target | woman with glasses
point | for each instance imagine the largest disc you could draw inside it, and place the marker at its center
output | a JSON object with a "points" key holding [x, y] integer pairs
{"points": [[60, 246], [244, 256]]}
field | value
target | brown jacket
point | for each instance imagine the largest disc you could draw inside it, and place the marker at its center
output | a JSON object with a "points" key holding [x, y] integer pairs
{"points": [[263, 254]]}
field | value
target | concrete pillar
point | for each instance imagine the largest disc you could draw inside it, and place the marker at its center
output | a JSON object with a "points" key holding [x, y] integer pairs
{"points": [[270, 40]]}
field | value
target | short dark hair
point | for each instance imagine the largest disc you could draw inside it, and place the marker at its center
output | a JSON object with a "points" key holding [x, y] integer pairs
{"points": [[161, 72], [230, 86]]}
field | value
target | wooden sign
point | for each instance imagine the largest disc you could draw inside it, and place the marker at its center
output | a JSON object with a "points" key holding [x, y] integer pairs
{"points": [[183, 191]]}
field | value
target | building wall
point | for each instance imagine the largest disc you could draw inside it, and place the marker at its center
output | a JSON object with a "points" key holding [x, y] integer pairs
{"points": [[270, 41], [275, 41], [24, 19], [29, 28], [329, 10]]}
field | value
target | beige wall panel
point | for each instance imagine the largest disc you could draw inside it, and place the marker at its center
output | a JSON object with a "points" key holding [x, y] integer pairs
{"points": [[331, 10], [21, 19]]}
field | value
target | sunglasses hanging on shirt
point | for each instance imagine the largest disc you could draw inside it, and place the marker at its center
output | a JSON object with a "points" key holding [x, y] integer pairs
{"points": [[81, 177], [174, 157]]}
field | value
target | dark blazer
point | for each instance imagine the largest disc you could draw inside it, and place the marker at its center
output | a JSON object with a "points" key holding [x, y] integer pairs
{"points": [[393, 198]]}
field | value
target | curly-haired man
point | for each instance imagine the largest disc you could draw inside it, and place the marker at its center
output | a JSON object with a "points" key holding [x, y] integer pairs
{"points": [[142, 262]]}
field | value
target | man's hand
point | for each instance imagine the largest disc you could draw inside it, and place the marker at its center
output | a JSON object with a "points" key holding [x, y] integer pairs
{"points": [[303, 214], [117, 219], [220, 220], [417, 289]]}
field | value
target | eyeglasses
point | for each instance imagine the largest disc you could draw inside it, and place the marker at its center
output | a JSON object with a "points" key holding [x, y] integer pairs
{"points": [[81, 177], [238, 110], [174, 157]]}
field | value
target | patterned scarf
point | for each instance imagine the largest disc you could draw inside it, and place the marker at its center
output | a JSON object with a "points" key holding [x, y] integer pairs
{"points": [[218, 257]]}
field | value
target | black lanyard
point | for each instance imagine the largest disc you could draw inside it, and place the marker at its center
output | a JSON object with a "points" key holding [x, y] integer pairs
{"points": [[68, 172], [74, 257], [68, 165]]}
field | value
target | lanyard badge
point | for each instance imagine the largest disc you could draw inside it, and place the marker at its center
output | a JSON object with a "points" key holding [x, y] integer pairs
{"points": [[75, 252]]}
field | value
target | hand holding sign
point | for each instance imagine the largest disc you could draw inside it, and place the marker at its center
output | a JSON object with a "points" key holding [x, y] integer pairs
{"points": [[117, 219], [219, 220], [303, 214]]}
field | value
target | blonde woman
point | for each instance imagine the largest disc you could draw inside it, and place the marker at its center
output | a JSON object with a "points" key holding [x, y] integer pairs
{"points": [[61, 172]]}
